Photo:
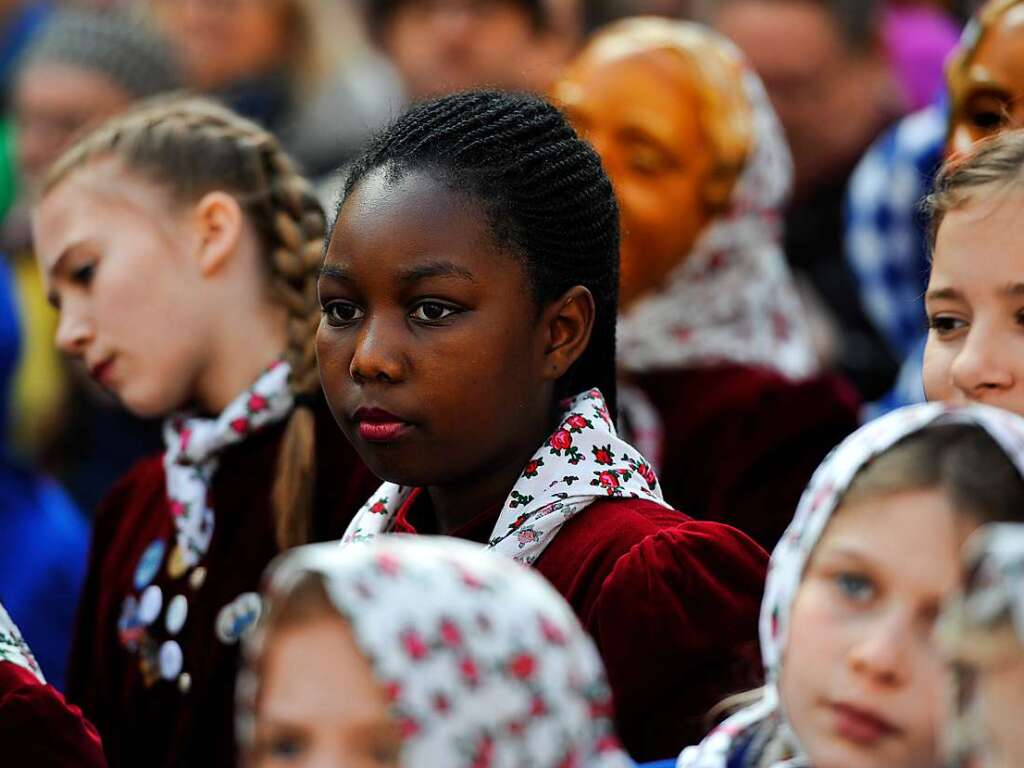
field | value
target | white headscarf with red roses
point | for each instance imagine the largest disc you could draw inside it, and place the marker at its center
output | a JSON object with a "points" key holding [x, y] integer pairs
{"points": [[582, 461], [193, 445], [14, 649], [764, 722], [483, 662], [732, 299]]}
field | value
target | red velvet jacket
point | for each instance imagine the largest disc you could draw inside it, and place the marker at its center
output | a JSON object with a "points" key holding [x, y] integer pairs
{"points": [[38, 729], [160, 725], [671, 602], [741, 443]]}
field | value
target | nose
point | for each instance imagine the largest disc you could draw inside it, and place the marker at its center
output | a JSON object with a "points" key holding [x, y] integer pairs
{"points": [[377, 356], [74, 332], [452, 22], [981, 366], [881, 654]]}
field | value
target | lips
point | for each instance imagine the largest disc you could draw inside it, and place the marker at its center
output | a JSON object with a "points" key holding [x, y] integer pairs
{"points": [[376, 425], [101, 371], [861, 725]]}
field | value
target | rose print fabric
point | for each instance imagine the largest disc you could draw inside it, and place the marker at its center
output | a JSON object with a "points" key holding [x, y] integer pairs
{"points": [[732, 299], [14, 649], [582, 460], [790, 558], [485, 665]]}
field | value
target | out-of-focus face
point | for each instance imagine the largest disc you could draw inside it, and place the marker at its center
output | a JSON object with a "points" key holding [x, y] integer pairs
{"points": [[119, 267], [826, 95], [642, 115], [222, 42], [319, 704], [445, 46], [975, 305], [862, 684], [988, 96], [53, 103]]}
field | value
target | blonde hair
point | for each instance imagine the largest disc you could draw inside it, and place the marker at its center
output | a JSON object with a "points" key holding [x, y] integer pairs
{"points": [[191, 146], [995, 163]]}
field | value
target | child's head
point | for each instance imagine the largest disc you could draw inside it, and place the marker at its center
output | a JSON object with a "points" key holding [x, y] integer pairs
{"points": [[469, 284], [856, 584], [181, 247], [982, 633], [418, 652], [975, 296]]}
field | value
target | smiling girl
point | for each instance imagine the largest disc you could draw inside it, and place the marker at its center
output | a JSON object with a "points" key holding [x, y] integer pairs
{"points": [[467, 349], [181, 248], [854, 677]]}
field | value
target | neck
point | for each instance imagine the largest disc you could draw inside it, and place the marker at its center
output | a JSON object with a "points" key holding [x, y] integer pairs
{"points": [[456, 504], [240, 353]]}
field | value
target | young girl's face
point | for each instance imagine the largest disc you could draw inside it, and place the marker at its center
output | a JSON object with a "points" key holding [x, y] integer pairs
{"points": [[319, 704], [431, 352], [115, 261], [975, 305], [862, 685]]}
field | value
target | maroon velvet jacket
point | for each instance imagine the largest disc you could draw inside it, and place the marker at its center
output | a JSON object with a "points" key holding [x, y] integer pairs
{"points": [[162, 725], [741, 443], [38, 729], [671, 602]]}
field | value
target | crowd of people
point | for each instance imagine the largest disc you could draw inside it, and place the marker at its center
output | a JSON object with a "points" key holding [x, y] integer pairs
{"points": [[512, 383]]}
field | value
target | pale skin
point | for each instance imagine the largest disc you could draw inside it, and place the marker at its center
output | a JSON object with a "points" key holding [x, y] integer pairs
{"points": [[975, 348], [310, 726], [999, 694], [863, 685], [167, 305]]}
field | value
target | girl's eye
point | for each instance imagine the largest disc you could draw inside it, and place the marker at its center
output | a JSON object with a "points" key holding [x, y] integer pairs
{"points": [[855, 586], [944, 325], [987, 119], [83, 274], [432, 312], [341, 313]]}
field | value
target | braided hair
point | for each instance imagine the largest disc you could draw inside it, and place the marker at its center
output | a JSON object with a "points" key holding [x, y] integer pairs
{"points": [[544, 190], [191, 146]]}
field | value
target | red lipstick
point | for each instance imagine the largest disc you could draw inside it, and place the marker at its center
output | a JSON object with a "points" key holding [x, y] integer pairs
{"points": [[379, 426], [861, 726]]}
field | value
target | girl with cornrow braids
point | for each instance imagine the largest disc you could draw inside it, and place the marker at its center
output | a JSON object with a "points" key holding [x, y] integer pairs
{"points": [[467, 349], [181, 247]]}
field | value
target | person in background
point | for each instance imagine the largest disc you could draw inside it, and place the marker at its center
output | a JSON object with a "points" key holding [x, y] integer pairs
{"points": [[981, 631], [45, 543], [82, 68], [445, 46], [825, 67], [415, 652], [37, 727], [855, 676], [300, 68], [712, 335]]}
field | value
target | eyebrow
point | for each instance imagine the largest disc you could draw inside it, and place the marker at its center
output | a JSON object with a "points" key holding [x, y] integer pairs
{"points": [[953, 294], [436, 269], [335, 273], [1012, 290]]}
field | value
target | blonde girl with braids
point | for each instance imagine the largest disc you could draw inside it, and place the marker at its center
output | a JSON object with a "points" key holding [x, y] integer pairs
{"points": [[182, 249]]}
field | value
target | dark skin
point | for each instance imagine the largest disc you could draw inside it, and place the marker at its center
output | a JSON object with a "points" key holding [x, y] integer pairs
{"points": [[430, 319]]}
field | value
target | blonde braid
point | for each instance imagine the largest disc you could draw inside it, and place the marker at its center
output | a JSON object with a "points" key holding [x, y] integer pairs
{"points": [[192, 146]]}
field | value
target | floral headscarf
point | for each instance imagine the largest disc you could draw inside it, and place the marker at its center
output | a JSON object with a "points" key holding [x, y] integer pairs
{"points": [[484, 663], [583, 460], [785, 571], [14, 649], [732, 299]]}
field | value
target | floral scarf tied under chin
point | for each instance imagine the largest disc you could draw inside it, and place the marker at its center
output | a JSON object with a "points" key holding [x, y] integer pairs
{"points": [[582, 461], [483, 662]]}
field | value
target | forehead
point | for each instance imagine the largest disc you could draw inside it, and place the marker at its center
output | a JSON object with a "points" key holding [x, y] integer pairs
{"points": [[987, 230], [999, 59], [782, 37], [390, 224], [54, 86]]}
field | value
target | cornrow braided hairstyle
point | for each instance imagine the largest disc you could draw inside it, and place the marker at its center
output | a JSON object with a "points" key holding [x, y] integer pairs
{"points": [[547, 196], [191, 146]]}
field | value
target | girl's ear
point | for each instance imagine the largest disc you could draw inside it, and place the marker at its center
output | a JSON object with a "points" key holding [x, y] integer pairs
{"points": [[568, 322], [219, 222]]}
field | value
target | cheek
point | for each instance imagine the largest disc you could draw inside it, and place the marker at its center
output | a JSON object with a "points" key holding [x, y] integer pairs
{"points": [[815, 648], [935, 371]]}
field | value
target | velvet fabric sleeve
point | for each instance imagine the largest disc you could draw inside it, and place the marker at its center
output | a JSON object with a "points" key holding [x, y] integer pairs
{"points": [[672, 604], [38, 729], [741, 443]]}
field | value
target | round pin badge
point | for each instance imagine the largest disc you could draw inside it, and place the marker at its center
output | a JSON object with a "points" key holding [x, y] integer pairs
{"points": [[171, 660], [235, 618], [149, 564], [197, 578], [150, 603], [177, 612], [177, 563], [185, 682]]}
